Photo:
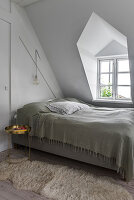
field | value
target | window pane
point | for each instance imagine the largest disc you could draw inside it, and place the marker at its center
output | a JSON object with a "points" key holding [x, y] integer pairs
{"points": [[123, 65], [123, 92], [124, 79], [106, 79], [106, 66], [106, 91]]}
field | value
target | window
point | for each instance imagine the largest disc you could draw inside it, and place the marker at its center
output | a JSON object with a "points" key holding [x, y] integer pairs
{"points": [[114, 79]]}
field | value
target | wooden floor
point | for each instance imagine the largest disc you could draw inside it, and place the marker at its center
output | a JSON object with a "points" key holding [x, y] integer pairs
{"points": [[8, 192]]}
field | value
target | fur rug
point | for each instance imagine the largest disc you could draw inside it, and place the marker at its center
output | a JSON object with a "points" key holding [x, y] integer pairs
{"points": [[61, 182]]}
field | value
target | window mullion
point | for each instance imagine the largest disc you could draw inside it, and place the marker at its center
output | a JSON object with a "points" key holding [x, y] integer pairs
{"points": [[116, 77], [109, 71], [114, 70], [99, 74]]}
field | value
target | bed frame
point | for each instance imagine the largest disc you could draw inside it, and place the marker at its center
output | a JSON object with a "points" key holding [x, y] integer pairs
{"points": [[65, 151]]}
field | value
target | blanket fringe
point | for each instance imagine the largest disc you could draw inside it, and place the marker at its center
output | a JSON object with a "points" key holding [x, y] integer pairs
{"points": [[108, 160]]}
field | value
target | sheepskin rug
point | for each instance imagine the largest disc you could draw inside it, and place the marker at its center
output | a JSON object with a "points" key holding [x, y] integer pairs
{"points": [[61, 182]]}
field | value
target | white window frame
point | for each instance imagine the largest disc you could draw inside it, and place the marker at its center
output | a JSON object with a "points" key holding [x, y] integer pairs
{"points": [[114, 78]]}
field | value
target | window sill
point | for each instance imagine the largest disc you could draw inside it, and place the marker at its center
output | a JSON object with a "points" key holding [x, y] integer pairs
{"points": [[113, 101]]}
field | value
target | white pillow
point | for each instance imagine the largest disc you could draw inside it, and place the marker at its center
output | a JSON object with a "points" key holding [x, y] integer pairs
{"points": [[67, 107]]}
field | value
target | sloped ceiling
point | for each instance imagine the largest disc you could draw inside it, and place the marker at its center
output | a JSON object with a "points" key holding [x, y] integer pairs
{"points": [[25, 2], [98, 34], [113, 48], [59, 24]]}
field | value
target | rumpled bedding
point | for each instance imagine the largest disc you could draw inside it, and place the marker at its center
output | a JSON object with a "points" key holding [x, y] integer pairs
{"points": [[102, 131]]}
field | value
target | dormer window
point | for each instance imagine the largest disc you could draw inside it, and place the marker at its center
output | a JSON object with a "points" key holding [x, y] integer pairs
{"points": [[104, 55], [113, 79]]}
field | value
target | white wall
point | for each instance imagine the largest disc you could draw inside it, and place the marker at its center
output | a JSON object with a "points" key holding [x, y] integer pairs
{"points": [[98, 34], [59, 25], [90, 67], [113, 49], [4, 77], [5, 5], [25, 2], [21, 68]]}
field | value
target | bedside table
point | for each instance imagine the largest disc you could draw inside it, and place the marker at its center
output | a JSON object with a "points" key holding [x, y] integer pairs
{"points": [[18, 130]]}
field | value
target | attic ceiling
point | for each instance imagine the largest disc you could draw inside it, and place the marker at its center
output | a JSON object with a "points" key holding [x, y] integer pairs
{"points": [[59, 24], [25, 2], [113, 48], [98, 34]]}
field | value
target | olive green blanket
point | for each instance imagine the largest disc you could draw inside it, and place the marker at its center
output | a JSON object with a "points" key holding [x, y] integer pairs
{"points": [[101, 131]]}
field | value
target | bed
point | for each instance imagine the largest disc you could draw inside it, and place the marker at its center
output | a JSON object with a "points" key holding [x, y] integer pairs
{"points": [[96, 135]]}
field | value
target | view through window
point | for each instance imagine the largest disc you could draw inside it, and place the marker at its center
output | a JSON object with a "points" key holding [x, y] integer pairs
{"points": [[114, 79]]}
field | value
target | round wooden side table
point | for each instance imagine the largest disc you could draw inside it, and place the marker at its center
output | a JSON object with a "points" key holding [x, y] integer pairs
{"points": [[18, 130]]}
